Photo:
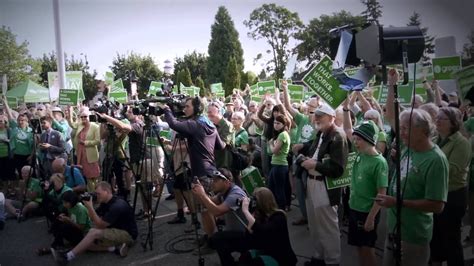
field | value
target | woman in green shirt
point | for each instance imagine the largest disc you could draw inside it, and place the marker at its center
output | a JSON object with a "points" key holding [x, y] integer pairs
{"points": [[21, 139], [446, 242], [241, 135], [280, 146]]}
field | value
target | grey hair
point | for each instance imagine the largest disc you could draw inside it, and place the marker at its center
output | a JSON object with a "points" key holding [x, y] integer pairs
{"points": [[421, 119], [431, 108], [239, 115]]}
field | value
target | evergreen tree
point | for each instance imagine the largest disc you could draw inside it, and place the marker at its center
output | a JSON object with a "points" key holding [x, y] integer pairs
{"points": [[198, 82], [232, 77], [373, 11], [224, 44], [415, 20]]}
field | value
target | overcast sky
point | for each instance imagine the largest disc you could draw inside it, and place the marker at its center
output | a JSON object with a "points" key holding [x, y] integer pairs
{"points": [[169, 29]]}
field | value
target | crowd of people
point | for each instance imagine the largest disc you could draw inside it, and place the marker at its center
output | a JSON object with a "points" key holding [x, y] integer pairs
{"points": [[51, 158]]}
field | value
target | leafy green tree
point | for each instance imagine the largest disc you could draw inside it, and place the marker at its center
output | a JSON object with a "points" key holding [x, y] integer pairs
{"points": [[468, 51], [276, 25], [415, 20], [372, 12], [232, 77], [15, 59], [248, 78], [315, 36], [195, 62], [144, 66], [224, 44], [48, 63]]}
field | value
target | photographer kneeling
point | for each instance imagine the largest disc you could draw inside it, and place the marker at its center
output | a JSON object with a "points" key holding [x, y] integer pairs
{"points": [[114, 228], [267, 233]]}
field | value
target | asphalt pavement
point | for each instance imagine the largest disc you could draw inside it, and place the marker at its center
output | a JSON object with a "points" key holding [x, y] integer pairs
{"points": [[170, 244]]}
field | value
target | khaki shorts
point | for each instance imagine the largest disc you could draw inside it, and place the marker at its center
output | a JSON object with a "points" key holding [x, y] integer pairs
{"points": [[114, 237]]}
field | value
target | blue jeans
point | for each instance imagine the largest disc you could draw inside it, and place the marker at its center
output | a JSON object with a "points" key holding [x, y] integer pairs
{"points": [[277, 183]]}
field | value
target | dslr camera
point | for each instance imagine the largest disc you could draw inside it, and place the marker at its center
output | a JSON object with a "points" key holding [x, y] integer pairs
{"points": [[87, 196]]}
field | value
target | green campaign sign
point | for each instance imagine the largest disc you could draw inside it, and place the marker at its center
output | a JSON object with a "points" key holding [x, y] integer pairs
{"points": [[216, 87], [117, 86], [251, 179], [265, 87], [256, 98], [220, 94], [12, 102], [109, 78], [444, 67], [155, 86], [68, 97], [405, 93], [465, 79], [119, 96], [345, 179], [321, 81], [296, 92], [191, 91], [254, 89], [73, 82]]}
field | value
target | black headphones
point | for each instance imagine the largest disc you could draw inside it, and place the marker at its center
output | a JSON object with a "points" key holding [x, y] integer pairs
{"points": [[197, 105]]}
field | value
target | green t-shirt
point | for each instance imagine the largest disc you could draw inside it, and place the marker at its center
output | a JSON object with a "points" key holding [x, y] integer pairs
{"points": [[63, 128], [3, 145], [427, 179], [21, 140], [305, 130], [369, 173], [34, 186], [241, 137], [280, 157], [56, 197], [79, 216]]}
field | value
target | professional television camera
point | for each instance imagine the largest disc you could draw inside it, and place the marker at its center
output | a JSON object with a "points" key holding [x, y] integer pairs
{"points": [[106, 106], [146, 107]]}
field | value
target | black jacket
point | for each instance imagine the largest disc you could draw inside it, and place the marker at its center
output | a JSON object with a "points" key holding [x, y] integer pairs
{"points": [[334, 150]]}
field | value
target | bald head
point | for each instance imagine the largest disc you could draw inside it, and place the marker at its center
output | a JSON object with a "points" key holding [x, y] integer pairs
{"points": [[59, 165]]}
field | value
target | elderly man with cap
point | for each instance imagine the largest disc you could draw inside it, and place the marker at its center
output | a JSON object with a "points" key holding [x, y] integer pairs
{"points": [[60, 124], [222, 204], [326, 159]]}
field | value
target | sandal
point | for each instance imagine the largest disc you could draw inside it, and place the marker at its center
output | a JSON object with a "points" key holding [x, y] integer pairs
{"points": [[43, 251]]}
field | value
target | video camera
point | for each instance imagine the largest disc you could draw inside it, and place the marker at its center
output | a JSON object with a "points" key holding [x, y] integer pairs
{"points": [[105, 106], [145, 107]]}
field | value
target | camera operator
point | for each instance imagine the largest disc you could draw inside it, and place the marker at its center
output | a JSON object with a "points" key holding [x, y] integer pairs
{"points": [[73, 176], [203, 139], [114, 229], [116, 146], [222, 204], [267, 233]]}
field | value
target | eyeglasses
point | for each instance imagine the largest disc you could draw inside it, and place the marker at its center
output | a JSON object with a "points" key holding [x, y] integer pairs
{"points": [[39, 109], [84, 116]]}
